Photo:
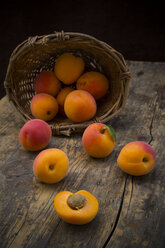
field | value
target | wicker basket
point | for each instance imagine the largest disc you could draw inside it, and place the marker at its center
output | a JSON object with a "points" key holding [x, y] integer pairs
{"points": [[39, 53]]}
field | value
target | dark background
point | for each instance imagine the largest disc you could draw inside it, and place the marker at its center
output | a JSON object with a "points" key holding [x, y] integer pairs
{"points": [[134, 28]]}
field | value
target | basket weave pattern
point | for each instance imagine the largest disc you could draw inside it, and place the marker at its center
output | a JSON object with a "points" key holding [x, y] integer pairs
{"points": [[39, 53]]}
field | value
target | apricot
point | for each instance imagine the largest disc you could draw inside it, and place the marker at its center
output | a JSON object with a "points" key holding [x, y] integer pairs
{"points": [[93, 82], [68, 68], [61, 98], [44, 106], [136, 158], [99, 140], [80, 106], [46, 82], [51, 165], [35, 135], [79, 208]]}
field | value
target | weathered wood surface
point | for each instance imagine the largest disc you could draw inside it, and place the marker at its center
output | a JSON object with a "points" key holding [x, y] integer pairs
{"points": [[131, 209]]}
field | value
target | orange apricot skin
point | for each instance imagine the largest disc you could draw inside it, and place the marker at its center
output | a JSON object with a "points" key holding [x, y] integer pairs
{"points": [[80, 106], [44, 106], [61, 98], [35, 135], [51, 165], [46, 82], [80, 216], [68, 68], [136, 158], [96, 143], [93, 82]]}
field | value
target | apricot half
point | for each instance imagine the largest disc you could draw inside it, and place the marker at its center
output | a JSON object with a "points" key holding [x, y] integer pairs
{"points": [[79, 208]]}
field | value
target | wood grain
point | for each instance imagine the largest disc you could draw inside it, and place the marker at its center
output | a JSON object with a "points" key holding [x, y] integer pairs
{"points": [[131, 209]]}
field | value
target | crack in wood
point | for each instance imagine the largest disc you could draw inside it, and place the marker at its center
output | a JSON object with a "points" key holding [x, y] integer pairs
{"points": [[118, 215], [131, 194], [152, 120]]}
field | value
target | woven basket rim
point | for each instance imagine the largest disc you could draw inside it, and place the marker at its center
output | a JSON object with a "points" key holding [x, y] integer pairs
{"points": [[58, 37]]}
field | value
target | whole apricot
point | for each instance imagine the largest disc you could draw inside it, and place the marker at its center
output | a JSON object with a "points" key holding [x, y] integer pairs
{"points": [[93, 82], [51, 165], [44, 106], [68, 68], [99, 140], [80, 106], [79, 208], [47, 82], [136, 158], [61, 98], [35, 135]]}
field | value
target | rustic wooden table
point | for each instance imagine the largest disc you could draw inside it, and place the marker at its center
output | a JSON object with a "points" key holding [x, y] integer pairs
{"points": [[131, 209]]}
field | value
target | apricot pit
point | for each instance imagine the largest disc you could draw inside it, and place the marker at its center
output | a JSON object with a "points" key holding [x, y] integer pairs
{"points": [[76, 201]]}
